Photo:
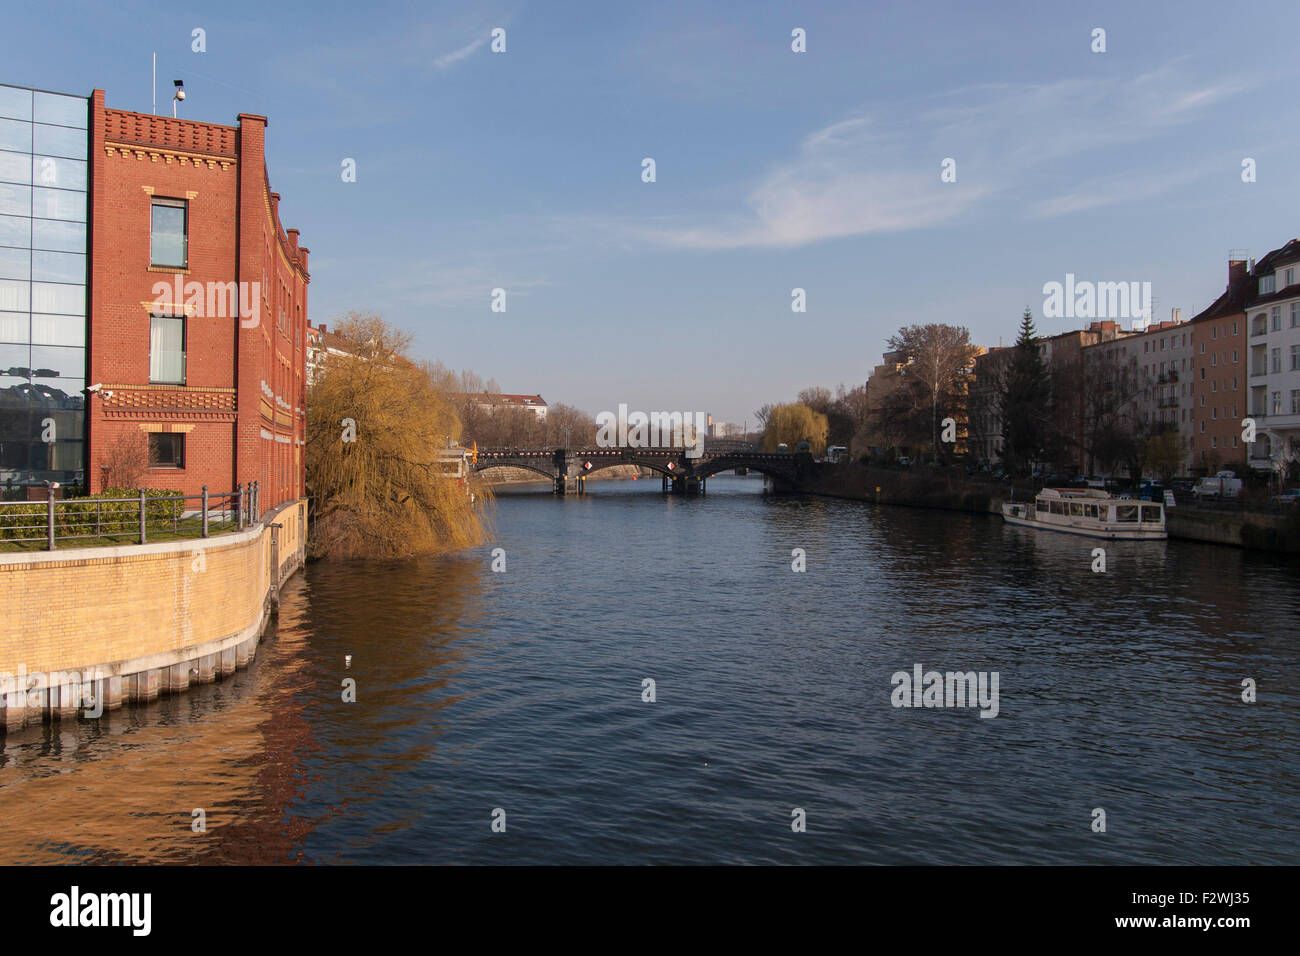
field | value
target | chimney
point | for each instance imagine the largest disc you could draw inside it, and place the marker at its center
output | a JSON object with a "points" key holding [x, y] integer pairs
{"points": [[1237, 270], [324, 329], [275, 208], [1175, 315], [293, 239]]}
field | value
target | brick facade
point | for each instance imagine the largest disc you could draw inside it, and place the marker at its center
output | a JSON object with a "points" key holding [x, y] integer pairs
{"points": [[240, 402]]}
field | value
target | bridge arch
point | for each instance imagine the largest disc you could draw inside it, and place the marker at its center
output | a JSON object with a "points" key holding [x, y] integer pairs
{"points": [[773, 469], [520, 464]]}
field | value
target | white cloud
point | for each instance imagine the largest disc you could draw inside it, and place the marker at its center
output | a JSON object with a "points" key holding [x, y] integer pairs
{"points": [[880, 174], [448, 60]]}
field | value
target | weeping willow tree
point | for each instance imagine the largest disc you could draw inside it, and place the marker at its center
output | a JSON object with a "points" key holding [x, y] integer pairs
{"points": [[792, 423], [375, 425]]}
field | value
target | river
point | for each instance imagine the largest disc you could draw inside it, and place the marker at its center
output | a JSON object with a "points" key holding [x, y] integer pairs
{"points": [[518, 696]]}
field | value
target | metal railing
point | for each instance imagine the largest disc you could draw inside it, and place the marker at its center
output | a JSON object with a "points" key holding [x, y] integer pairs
{"points": [[69, 519]]}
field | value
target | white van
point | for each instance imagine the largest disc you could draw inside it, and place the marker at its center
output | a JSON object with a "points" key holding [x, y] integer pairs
{"points": [[1225, 484]]}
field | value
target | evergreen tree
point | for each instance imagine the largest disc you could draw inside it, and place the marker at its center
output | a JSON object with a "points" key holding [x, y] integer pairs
{"points": [[1026, 398]]}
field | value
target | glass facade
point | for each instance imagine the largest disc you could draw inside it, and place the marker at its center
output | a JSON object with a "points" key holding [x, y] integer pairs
{"points": [[44, 178]]}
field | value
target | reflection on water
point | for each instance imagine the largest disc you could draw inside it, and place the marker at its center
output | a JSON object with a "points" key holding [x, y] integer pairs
{"points": [[522, 690]]}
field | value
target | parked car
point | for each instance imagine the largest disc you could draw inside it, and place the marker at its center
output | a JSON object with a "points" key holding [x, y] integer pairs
{"points": [[904, 461], [1289, 497]]}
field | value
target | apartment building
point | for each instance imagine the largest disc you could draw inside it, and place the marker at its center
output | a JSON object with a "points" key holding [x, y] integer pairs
{"points": [[1273, 316], [1218, 389]]}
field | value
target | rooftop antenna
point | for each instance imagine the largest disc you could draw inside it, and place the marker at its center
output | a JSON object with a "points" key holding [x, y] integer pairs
{"points": [[155, 84]]}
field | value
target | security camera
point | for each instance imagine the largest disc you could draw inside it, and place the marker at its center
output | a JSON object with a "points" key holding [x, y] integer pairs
{"points": [[107, 395], [180, 94], [95, 388]]}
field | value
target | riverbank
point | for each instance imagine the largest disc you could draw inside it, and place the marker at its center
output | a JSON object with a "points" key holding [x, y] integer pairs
{"points": [[950, 492], [90, 629]]}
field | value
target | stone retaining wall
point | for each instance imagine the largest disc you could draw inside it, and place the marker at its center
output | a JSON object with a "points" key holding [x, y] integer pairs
{"points": [[88, 628]]}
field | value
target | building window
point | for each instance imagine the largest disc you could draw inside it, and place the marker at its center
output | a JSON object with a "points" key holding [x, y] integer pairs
{"points": [[1277, 360], [1234, 441], [1234, 328], [1214, 442], [1214, 360], [1295, 401], [169, 233], [1290, 277], [1277, 403], [167, 349], [1202, 348], [1234, 383], [1277, 318], [1266, 284], [1295, 314], [1295, 358], [1234, 356], [166, 450]]}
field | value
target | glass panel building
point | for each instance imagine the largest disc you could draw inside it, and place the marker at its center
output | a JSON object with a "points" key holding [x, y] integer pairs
{"points": [[44, 180]]}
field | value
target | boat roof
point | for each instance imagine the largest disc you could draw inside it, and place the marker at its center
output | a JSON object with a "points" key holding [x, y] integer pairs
{"points": [[1073, 493]]}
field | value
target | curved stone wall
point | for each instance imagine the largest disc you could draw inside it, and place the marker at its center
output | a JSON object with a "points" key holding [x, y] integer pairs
{"points": [[84, 630]]}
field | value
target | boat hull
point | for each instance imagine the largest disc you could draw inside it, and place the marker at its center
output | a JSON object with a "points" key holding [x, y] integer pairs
{"points": [[1107, 533]]}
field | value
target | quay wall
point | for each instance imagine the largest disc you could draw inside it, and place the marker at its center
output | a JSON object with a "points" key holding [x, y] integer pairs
{"points": [[948, 492], [82, 628]]}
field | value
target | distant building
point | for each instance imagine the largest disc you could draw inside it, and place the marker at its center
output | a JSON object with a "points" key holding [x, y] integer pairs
{"points": [[492, 402], [321, 344], [1160, 357], [984, 404]]}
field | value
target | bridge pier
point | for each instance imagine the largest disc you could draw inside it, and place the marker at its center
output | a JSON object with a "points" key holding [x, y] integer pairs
{"points": [[579, 486], [682, 485]]}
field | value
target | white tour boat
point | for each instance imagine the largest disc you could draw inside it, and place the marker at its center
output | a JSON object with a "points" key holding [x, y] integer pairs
{"points": [[1090, 512]]}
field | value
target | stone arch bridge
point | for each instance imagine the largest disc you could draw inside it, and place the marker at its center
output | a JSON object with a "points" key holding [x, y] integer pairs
{"points": [[568, 469]]}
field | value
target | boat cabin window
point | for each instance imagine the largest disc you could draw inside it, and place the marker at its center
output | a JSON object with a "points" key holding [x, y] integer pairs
{"points": [[1058, 507], [1126, 512], [1090, 511], [1151, 513], [1076, 509]]}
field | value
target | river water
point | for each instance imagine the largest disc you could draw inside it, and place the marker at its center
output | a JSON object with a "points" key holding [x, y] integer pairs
{"points": [[518, 696]]}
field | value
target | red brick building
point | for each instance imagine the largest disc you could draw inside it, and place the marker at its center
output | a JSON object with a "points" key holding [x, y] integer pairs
{"points": [[1219, 386], [198, 307]]}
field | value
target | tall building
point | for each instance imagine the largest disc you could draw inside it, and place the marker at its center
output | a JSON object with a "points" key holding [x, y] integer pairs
{"points": [[1063, 356], [1273, 311], [1154, 365], [1218, 364], [984, 404], [151, 294]]}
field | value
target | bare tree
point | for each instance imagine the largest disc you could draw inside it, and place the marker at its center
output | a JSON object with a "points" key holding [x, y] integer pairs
{"points": [[938, 358], [125, 459]]}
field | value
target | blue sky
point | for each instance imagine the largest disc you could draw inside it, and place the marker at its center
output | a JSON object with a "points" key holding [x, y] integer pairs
{"points": [[775, 170]]}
